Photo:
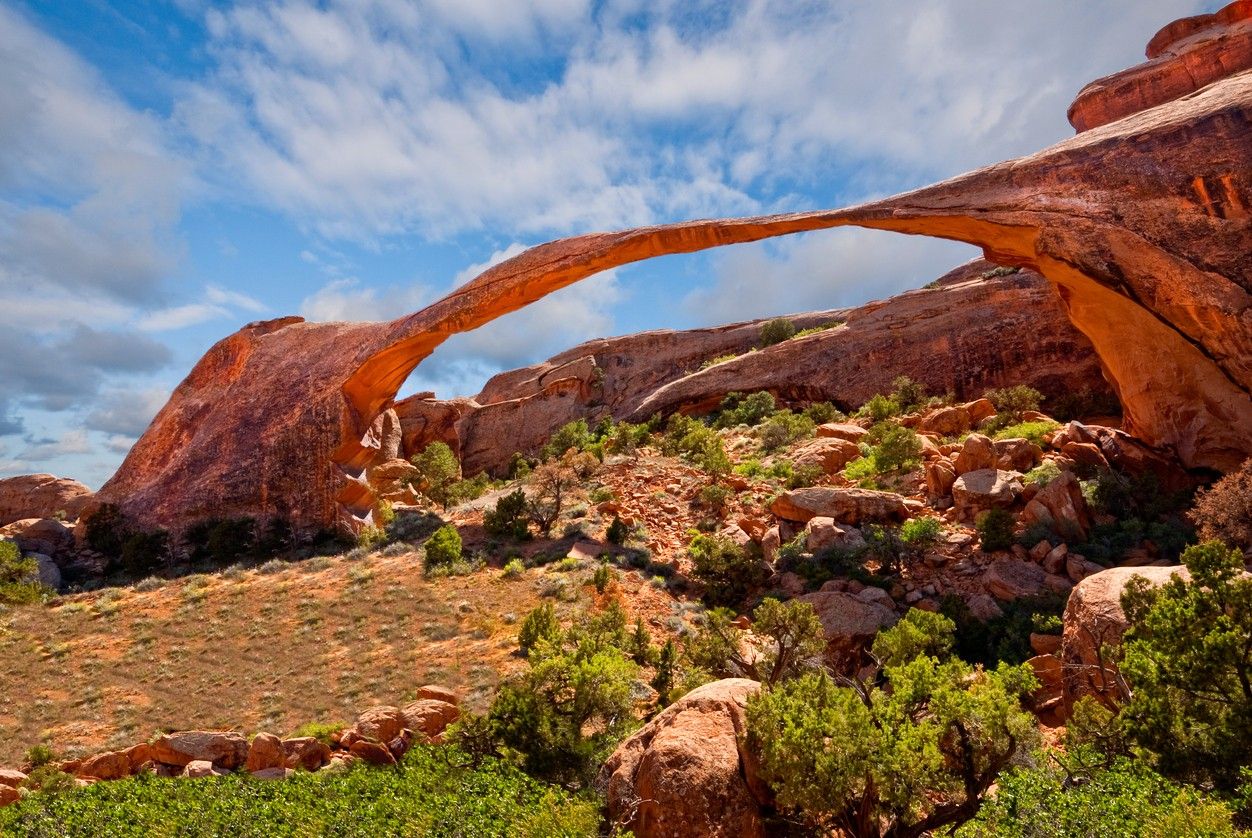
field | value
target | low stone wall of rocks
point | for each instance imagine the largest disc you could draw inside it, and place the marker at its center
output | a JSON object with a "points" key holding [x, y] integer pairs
{"points": [[381, 736]]}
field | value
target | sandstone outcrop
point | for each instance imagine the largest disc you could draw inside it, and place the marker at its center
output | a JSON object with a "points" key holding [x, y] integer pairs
{"points": [[41, 496], [1142, 227], [966, 335], [685, 772], [844, 506], [850, 623], [1183, 57]]}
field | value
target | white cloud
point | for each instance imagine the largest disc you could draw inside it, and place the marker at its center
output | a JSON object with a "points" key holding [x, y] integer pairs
{"points": [[347, 299], [235, 299], [218, 303]]}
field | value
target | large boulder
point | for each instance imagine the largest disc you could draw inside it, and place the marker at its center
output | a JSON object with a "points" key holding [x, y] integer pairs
{"points": [[430, 716], [977, 453], [825, 534], [41, 496], [39, 535], [380, 724], [223, 749], [849, 622], [1009, 579], [685, 772], [1094, 620], [265, 752], [844, 506], [988, 488], [829, 453], [1061, 507], [946, 421]]}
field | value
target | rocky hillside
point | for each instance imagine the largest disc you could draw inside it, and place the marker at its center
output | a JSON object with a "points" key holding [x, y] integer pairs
{"points": [[976, 328]]}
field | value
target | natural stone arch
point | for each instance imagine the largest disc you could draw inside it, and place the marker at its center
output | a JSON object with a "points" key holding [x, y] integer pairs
{"points": [[1121, 219]]}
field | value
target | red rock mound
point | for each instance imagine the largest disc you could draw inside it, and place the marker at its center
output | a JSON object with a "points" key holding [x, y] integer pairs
{"points": [[41, 496]]}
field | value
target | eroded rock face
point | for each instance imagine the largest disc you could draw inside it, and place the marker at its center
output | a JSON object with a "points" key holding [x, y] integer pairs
{"points": [[40, 496], [684, 773], [1182, 58], [1142, 226]]}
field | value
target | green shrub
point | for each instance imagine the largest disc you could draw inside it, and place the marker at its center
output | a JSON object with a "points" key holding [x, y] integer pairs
{"points": [[995, 530], [19, 583], [463, 491], [1012, 402], [822, 412], [880, 408], [798, 477], [784, 428], [727, 571], [712, 458], [575, 435], [601, 578], [1037, 431], [737, 409], [436, 790], [1005, 638], [40, 755], [915, 756], [1043, 474], [573, 704], [793, 635], [776, 331], [107, 530], [443, 548], [1186, 655], [519, 466], [514, 569], [716, 497], [617, 532], [921, 532], [908, 394], [437, 470], [145, 552], [539, 624], [1127, 800], [508, 519], [896, 448], [370, 537]]}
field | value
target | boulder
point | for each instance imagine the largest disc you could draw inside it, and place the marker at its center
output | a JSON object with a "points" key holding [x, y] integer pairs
{"points": [[8, 795], [978, 491], [977, 453], [40, 535], [841, 430], [686, 772], [1094, 619], [223, 749], [440, 693], [845, 506], [979, 410], [984, 607], [380, 724], [46, 571], [373, 753], [113, 765], [1045, 644], [198, 768], [11, 777], [1010, 579], [850, 622], [824, 534], [41, 496], [264, 752], [140, 755], [305, 752], [1017, 454], [946, 421], [829, 453], [430, 716], [1061, 507], [940, 475]]}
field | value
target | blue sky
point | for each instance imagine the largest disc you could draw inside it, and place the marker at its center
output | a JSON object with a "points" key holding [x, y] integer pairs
{"points": [[172, 170]]}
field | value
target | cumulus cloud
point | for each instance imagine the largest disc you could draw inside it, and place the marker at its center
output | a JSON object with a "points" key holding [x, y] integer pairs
{"points": [[126, 413], [366, 119]]}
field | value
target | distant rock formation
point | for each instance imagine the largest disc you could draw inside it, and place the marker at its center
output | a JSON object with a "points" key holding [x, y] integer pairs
{"points": [[977, 329], [41, 496], [1141, 225]]}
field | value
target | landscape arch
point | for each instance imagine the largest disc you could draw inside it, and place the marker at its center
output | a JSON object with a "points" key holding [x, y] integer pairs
{"points": [[1142, 226]]}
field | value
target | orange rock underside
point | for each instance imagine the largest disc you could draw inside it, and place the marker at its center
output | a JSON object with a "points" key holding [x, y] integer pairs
{"points": [[1141, 225]]}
